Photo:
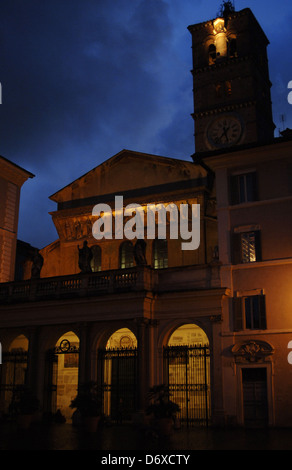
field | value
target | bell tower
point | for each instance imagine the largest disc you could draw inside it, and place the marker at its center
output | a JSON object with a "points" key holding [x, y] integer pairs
{"points": [[231, 85]]}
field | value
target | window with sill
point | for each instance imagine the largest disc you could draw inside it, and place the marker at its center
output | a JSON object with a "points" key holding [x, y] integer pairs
{"points": [[246, 247], [126, 255], [160, 254], [243, 188], [96, 258], [249, 313]]}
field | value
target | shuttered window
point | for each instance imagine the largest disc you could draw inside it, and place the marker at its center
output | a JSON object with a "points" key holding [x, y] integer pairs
{"points": [[249, 313], [246, 247], [160, 254], [96, 258], [243, 188], [126, 255]]}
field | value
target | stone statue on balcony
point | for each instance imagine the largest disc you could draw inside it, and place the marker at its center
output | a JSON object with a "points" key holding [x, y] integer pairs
{"points": [[85, 257], [37, 264], [139, 252]]}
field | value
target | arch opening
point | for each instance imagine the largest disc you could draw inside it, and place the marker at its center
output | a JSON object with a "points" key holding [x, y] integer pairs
{"points": [[64, 374], [188, 334], [118, 368], [122, 338], [13, 371], [187, 368]]}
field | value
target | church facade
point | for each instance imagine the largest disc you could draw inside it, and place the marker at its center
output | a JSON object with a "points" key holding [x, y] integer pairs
{"points": [[211, 322]]}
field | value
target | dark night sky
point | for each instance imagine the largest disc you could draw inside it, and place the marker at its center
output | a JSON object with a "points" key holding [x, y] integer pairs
{"points": [[81, 80]]}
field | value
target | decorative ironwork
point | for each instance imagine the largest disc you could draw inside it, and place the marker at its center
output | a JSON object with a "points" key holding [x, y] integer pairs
{"points": [[71, 359], [65, 347], [188, 378], [12, 373], [119, 380]]}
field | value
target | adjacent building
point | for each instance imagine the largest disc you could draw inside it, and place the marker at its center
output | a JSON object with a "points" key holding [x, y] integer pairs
{"points": [[11, 180]]}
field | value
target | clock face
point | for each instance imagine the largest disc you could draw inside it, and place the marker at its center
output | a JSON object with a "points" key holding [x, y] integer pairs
{"points": [[224, 131]]}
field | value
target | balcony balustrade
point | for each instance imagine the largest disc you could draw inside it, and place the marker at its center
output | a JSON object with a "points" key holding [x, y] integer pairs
{"points": [[139, 278]]}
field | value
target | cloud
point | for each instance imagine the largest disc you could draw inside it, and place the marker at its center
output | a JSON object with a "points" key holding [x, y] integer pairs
{"points": [[82, 80]]}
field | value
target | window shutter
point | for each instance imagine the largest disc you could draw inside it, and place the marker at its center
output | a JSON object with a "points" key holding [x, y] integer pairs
{"points": [[258, 245], [262, 310], [237, 313], [234, 197], [255, 195], [236, 248]]}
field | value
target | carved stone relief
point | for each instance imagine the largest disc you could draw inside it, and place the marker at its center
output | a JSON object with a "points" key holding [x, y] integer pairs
{"points": [[252, 351]]}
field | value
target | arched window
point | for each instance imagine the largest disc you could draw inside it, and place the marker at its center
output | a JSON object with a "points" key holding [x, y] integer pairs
{"points": [[126, 255], [232, 48], [96, 259], [212, 54], [160, 254], [228, 89], [218, 90]]}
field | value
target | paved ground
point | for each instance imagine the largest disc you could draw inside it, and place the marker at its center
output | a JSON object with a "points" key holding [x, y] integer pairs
{"points": [[67, 437]]}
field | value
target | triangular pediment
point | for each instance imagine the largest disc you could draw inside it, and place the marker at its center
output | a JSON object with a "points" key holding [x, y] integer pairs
{"points": [[127, 171]]}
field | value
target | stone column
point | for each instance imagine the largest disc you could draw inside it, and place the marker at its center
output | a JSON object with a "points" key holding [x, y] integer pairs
{"points": [[153, 355], [143, 341], [217, 373], [33, 359], [84, 373]]}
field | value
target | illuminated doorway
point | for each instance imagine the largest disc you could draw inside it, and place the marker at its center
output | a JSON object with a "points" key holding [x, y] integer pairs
{"points": [[187, 366], [118, 368], [13, 370], [63, 363]]}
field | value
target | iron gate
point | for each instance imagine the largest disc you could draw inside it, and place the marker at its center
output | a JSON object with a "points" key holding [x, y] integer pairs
{"points": [[70, 353], [118, 369], [188, 379], [13, 375]]}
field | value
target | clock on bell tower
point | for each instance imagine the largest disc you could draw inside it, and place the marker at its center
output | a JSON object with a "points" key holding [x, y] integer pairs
{"points": [[231, 86]]}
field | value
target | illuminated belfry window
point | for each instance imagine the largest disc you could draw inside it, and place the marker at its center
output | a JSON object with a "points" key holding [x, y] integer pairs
{"points": [[126, 255], [223, 89], [220, 38], [96, 258], [160, 254]]}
